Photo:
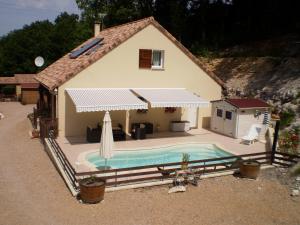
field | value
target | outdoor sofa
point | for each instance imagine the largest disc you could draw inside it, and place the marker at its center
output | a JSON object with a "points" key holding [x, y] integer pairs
{"points": [[93, 135]]}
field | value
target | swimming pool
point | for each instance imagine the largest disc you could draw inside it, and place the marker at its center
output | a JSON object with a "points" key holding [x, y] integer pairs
{"points": [[161, 155]]}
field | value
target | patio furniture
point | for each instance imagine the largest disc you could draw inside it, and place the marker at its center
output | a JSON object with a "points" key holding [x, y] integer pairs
{"points": [[138, 133], [164, 172], [252, 135], [93, 135], [148, 127], [118, 133], [184, 177], [179, 126]]}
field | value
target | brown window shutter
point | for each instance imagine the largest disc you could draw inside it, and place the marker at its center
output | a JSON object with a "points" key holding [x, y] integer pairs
{"points": [[145, 58]]}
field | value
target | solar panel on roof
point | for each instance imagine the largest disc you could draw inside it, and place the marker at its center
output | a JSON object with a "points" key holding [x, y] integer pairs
{"points": [[84, 48], [93, 49]]}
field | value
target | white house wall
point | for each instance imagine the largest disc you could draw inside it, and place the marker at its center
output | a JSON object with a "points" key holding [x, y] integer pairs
{"points": [[246, 119]]}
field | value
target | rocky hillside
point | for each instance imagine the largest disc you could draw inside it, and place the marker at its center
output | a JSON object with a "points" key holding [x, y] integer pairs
{"points": [[268, 69]]}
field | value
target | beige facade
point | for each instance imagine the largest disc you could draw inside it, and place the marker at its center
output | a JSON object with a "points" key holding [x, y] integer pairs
{"points": [[18, 91], [120, 69]]}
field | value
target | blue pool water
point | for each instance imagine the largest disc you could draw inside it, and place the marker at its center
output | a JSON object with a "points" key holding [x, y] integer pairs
{"points": [[132, 158]]}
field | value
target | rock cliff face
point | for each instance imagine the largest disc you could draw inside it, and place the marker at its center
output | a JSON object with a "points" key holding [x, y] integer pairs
{"points": [[267, 69]]}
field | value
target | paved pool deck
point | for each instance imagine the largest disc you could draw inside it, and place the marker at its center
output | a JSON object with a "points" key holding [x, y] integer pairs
{"points": [[76, 147]]}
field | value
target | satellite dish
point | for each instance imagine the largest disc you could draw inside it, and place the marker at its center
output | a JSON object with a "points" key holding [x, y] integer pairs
{"points": [[39, 61]]}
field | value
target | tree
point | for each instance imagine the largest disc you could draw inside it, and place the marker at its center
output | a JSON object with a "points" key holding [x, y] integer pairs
{"points": [[19, 48], [91, 9]]}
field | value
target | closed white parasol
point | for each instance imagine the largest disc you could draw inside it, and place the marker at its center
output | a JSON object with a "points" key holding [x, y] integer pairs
{"points": [[107, 141]]}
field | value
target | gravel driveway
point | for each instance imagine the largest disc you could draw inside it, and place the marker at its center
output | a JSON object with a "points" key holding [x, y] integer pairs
{"points": [[32, 192]]}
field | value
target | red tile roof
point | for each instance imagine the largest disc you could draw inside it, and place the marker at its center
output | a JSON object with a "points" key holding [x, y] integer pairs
{"points": [[65, 68], [19, 79], [248, 103], [8, 80], [25, 78], [30, 85]]}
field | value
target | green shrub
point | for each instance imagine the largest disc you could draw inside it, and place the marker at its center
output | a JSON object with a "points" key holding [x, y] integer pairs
{"points": [[9, 90], [289, 140], [295, 170], [286, 118]]}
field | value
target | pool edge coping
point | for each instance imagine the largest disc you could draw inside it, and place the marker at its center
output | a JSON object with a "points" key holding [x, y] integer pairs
{"points": [[81, 158]]}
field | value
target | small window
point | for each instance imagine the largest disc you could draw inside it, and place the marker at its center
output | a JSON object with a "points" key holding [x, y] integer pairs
{"points": [[219, 113], [228, 115], [151, 59], [157, 59]]}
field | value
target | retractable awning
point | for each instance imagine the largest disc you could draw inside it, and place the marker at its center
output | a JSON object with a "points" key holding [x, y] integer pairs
{"points": [[171, 97], [104, 99]]}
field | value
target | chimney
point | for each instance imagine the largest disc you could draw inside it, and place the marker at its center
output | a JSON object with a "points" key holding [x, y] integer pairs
{"points": [[97, 28]]}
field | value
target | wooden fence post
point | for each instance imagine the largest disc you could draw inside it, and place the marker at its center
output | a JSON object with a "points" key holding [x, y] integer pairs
{"points": [[275, 141]]}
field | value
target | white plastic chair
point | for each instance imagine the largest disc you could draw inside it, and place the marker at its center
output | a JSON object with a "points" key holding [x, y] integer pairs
{"points": [[252, 135]]}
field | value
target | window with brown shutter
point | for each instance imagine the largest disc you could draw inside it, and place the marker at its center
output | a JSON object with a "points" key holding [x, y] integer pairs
{"points": [[145, 58]]}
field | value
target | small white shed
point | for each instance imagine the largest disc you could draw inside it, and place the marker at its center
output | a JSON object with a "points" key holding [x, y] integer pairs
{"points": [[234, 117]]}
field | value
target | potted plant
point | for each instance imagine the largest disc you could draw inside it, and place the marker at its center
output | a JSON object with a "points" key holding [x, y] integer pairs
{"points": [[35, 133], [92, 189], [185, 161]]}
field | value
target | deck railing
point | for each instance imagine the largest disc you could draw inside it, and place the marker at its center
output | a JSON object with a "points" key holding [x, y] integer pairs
{"points": [[63, 160], [148, 173], [116, 177], [48, 125]]}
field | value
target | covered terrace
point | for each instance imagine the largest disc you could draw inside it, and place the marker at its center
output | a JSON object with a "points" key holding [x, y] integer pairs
{"points": [[154, 107]]}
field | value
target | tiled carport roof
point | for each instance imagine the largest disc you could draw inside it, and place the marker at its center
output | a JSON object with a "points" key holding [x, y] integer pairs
{"points": [[25, 78], [8, 80]]}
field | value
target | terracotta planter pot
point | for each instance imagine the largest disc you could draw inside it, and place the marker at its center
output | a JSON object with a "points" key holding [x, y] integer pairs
{"points": [[92, 190], [249, 169], [35, 134]]}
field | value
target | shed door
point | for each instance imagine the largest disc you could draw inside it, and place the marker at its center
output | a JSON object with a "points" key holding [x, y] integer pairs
{"points": [[228, 123], [218, 124]]}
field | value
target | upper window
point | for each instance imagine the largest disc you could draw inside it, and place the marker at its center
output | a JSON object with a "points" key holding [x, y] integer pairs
{"points": [[219, 113], [151, 59], [157, 59]]}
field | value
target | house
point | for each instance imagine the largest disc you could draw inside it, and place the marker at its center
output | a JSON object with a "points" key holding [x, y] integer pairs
{"points": [[234, 117], [138, 71], [25, 87]]}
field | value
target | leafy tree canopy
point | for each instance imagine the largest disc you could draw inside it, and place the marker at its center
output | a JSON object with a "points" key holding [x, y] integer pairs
{"points": [[19, 48]]}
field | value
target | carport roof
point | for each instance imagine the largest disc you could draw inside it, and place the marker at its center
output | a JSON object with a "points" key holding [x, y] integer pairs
{"points": [[8, 80]]}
